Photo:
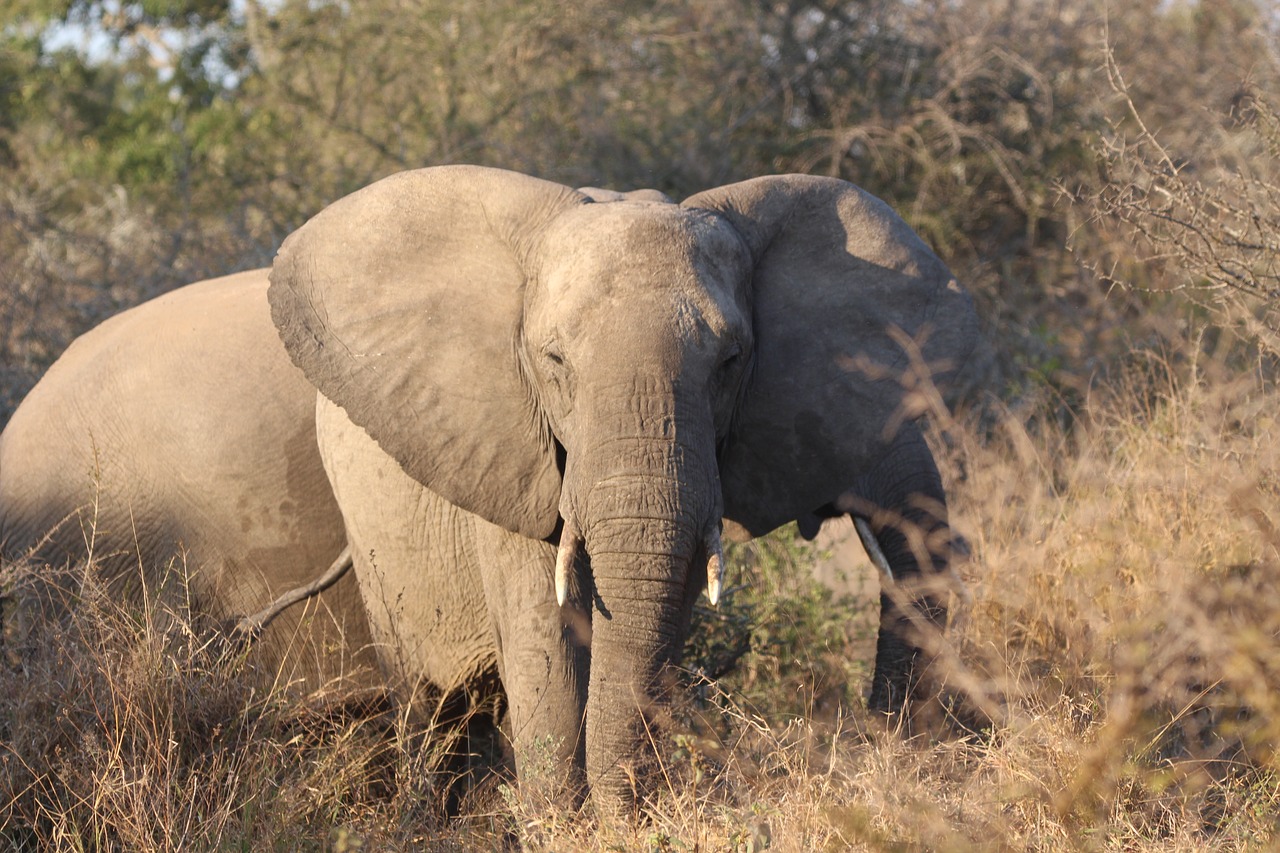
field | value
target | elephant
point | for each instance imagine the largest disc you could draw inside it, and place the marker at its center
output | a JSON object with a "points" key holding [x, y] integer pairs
{"points": [[175, 434], [601, 386]]}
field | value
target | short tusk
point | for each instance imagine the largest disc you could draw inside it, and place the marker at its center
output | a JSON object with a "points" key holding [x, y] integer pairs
{"points": [[715, 566], [567, 553], [872, 546]]}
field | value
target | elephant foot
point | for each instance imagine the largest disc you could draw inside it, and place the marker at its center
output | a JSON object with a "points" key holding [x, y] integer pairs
{"points": [[886, 700], [896, 677]]}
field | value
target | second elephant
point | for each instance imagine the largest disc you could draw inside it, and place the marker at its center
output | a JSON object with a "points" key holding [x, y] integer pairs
{"points": [[175, 445]]}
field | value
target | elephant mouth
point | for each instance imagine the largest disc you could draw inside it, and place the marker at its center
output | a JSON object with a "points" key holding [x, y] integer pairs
{"points": [[572, 544]]}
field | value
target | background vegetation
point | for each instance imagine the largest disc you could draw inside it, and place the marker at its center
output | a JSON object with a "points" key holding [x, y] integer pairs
{"points": [[1105, 179]]}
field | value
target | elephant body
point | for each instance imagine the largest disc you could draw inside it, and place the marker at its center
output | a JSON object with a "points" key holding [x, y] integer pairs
{"points": [[573, 394], [441, 623], [176, 440]]}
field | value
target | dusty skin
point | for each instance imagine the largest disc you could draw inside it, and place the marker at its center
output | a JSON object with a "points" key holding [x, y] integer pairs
{"points": [[175, 443], [605, 383]]}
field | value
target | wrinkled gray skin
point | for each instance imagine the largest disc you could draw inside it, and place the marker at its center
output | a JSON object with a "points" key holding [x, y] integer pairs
{"points": [[614, 378], [452, 598], [180, 429]]}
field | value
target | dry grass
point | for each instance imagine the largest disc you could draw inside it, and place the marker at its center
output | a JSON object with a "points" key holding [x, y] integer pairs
{"points": [[1125, 612], [137, 728], [1123, 635]]}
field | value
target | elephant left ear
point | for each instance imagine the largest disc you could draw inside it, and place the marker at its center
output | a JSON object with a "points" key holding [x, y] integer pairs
{"points": [[402, 303], [843, 291]]}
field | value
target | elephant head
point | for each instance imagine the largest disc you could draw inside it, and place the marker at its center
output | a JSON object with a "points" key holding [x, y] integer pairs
{"points": [[620, 374]]}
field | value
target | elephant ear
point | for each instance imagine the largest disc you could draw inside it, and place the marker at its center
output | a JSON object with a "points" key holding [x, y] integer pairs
{"points": [[839, 281], [402, 304]]}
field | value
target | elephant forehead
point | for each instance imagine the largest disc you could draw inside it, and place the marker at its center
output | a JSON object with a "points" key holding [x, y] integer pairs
{"points": [[643, 246]]}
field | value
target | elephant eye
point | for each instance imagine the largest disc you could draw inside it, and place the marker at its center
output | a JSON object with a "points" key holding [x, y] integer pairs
{"points": [[731, 358], [557, 371]]}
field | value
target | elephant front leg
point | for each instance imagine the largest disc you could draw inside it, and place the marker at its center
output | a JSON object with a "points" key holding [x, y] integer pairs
{"points": [[900, 513], [907, 617], [544, 661]]}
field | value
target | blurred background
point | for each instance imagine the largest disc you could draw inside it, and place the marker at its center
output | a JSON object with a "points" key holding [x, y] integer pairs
{"points": [[150, 144]]}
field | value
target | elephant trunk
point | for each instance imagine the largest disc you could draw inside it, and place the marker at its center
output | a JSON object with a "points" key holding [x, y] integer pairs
{"points": [[642, 539]]}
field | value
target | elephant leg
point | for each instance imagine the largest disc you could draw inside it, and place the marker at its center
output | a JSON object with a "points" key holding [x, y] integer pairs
{"points": [[900, 511], [414, 560], [543, 659]]}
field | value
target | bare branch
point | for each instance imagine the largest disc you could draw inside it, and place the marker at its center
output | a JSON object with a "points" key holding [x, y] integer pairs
{"points": [[1209, 215]]}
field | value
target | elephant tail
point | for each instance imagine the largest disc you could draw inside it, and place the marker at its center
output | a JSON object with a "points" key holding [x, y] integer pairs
{"points": [[250, 627]]}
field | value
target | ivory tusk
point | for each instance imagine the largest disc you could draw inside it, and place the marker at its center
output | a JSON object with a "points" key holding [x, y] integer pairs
{"points": [[872, 546], [565, 555], [715, 567]]}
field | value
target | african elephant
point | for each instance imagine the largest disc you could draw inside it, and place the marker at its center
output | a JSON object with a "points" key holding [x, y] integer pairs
{"points": [[607, 381], [179, 429]]}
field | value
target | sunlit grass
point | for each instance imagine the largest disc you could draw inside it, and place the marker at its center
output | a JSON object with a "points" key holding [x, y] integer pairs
{"points": [[1123, 638]]}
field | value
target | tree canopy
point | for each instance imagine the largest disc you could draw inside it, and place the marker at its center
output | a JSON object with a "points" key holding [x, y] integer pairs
{"points": [[148, 144]]}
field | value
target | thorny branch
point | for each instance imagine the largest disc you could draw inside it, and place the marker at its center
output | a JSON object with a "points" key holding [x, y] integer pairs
{"points": [[1215, 220]]}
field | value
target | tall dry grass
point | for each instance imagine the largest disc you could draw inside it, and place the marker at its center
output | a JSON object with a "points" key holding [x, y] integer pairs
{"points": [[128, 725], [1121, 640], [1126, 612]]}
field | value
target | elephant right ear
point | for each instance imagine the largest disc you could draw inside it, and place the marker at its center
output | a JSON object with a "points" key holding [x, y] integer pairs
{"points": [[402, 303]]}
